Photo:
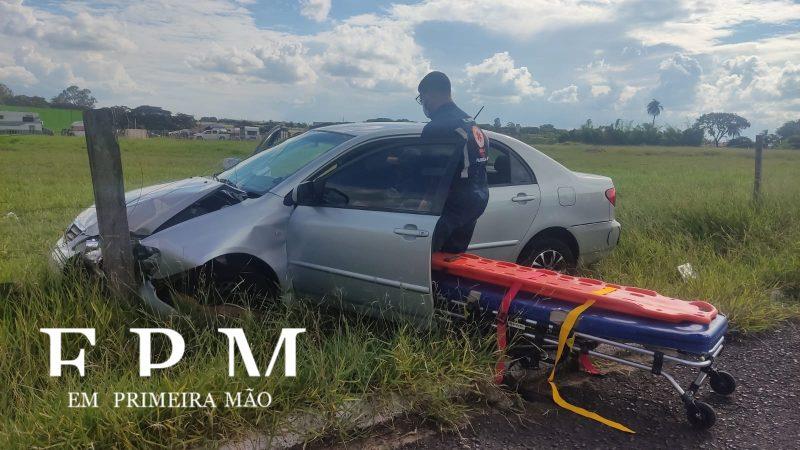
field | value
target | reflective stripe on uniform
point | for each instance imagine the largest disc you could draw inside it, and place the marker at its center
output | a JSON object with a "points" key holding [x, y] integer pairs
{"points": [[463, 134]]}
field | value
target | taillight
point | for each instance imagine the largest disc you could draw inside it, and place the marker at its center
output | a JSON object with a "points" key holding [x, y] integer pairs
{"points": [[611, 195]]}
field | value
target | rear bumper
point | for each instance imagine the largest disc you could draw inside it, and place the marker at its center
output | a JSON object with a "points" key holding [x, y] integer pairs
{"points": [[596, 240]]}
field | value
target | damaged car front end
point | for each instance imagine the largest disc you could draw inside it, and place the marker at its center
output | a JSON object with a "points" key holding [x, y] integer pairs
{"points": [[225, 232], [151, 210]]}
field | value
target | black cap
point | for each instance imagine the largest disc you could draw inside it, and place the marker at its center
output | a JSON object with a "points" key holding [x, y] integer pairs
{"points": [[434, 82]]}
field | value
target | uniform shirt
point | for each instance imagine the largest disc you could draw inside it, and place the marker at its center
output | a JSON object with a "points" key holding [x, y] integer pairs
{"points": [[445, 123]]}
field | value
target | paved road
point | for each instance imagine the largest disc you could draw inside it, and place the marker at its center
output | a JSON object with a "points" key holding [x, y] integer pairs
{"points": [[763, 413]]}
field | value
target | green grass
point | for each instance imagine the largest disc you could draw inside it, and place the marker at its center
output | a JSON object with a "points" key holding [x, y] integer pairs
{"points": [[676, 205], [55, 119]]}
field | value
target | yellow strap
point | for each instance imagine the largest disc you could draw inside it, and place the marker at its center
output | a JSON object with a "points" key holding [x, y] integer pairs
{"points": [[566, 328], [604, 291]]}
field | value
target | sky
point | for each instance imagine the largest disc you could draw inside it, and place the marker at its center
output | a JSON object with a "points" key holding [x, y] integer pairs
{"points": [[527, 61]]}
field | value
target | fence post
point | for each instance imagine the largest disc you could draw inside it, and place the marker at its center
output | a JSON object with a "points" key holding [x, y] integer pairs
{"points": [[757, 180], [109, 197]]}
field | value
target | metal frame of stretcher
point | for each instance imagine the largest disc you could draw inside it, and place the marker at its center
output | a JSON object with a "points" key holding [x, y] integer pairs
{"points": [[699, 414]]}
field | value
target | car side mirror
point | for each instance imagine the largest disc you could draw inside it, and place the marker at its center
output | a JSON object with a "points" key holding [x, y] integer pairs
{"points": [[227, 163], [303, 194]]}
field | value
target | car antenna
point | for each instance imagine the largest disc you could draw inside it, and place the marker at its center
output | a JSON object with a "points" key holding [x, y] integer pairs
{"points": [[475, 117]]}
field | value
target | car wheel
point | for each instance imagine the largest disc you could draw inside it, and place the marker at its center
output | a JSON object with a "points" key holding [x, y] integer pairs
{"points": [[549, 253]]}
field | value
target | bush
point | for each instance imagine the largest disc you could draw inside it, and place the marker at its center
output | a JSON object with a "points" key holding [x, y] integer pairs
{"points": [[794, 141], [741, 142], [620, 133]]}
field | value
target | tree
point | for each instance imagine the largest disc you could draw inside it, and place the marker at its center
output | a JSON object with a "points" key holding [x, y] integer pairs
{"points": [[183, 121], [5, 92], [75, 96], [654, 108], [24, 100], [788, 129], [719, 125], [497, 123], [741, 142]]}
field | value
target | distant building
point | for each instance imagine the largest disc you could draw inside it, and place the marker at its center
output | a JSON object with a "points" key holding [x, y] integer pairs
{"points": [[135, 133], [77, 129], [20, 122]]}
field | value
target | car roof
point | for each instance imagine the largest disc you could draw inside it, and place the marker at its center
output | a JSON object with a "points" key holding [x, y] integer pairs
{"points": [[381, 129], [375, 128]]}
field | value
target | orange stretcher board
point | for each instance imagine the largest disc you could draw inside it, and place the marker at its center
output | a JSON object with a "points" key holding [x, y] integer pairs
{"points": [[612, 297]]}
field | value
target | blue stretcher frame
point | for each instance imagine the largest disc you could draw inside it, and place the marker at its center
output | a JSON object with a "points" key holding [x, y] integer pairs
{"points": [[536, 320]]}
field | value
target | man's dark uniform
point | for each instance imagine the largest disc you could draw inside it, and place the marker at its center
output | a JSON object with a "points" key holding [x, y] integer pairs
{"points": [[469, 192]]}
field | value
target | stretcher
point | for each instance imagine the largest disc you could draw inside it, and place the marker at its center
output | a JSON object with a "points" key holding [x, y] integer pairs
{"points": [[533, 323]]}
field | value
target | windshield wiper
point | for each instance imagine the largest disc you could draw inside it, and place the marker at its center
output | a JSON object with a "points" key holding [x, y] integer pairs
{"points": [[230, 183]]}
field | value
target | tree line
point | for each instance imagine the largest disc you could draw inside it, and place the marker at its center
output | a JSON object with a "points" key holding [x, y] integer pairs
{"points": [[710, 127], [72, 97]]}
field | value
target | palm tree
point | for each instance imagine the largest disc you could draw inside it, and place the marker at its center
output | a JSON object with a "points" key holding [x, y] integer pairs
{"points": [[654, 108]]}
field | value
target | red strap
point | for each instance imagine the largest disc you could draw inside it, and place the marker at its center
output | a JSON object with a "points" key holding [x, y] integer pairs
{"points": [[502, 336]]}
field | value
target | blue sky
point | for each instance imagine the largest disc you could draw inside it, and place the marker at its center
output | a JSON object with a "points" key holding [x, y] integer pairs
{"points": [[526, 61]]}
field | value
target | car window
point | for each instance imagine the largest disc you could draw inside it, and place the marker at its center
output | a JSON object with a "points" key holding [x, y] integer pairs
{"points": [[405, 178], [506, 168], [263, 171]]}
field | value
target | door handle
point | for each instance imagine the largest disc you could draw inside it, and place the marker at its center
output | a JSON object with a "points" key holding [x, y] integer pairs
{"points": [[522, 198], [411, 231]]}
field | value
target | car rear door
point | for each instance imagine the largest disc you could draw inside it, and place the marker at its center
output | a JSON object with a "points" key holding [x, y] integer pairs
{"points": [[366, 239], [513, 204]]}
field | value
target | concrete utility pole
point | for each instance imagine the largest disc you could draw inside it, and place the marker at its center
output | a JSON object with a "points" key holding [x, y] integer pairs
{"points": [[757, 180], [109, 198]]}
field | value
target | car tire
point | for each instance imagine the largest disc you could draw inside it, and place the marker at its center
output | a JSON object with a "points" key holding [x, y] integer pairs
{"points": [[549, 253]]}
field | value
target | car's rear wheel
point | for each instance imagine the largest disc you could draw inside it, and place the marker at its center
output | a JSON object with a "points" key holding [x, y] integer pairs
{"points": [[549, 253]]}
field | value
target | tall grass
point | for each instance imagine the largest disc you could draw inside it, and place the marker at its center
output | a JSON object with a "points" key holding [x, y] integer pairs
{"points": [[341, 358]]}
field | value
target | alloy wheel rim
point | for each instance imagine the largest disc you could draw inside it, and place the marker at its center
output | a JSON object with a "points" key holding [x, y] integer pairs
{"points": [[549, 259]]}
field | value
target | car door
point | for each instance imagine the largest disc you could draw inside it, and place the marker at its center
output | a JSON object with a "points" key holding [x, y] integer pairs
{"points": [[513, 204], [365, 240]]}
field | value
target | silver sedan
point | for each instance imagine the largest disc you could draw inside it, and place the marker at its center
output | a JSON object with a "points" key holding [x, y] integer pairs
{"points": [[347, 212]]}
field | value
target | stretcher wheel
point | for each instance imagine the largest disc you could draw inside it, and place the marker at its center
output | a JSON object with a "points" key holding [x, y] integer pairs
{"points": [[701, 415], [722, 382]]}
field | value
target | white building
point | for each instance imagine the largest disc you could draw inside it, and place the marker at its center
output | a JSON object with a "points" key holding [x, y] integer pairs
{"points": [[77, 129], [20, 122]]}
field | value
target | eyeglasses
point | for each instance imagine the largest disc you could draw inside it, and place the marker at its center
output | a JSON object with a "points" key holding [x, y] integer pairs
{"points": [[419, 99]]}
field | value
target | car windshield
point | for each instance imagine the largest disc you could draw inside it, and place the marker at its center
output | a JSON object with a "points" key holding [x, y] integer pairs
{"points": [[260, 173]]}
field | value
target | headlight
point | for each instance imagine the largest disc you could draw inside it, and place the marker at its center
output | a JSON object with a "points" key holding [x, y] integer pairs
{"points": [[92, 243]]}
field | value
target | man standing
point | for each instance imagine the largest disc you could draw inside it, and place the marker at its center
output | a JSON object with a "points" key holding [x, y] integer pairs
{"points": [[469, 192]]}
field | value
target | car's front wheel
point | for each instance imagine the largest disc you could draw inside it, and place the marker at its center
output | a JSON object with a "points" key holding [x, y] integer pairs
{"points": [[549, 253]]}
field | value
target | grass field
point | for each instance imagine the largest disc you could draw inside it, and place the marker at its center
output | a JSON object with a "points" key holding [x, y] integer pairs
{"points": [[676, 205], [55, 119]]}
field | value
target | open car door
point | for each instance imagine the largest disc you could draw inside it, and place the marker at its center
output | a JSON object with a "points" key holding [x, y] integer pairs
{"points": [[362, 228]]}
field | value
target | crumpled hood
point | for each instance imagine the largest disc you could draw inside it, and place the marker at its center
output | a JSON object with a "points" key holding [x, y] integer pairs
{"points": [[151, 206]]}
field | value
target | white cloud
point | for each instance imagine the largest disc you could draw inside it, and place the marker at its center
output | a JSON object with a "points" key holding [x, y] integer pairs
{"points": [[568, 94], [497, 77], [703, 23], [316, 10], [278, 62], [382, 55], [600, 90], [78, 30], [515, 18], [17, 74], [678, 78], [626, 94]]}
